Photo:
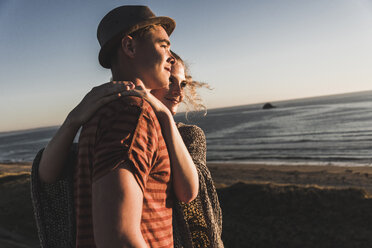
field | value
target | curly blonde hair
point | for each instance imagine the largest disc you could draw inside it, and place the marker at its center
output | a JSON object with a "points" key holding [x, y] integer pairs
{"points": [[192, 99]]}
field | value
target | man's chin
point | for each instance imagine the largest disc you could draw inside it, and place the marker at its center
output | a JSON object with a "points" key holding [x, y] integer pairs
{"points": [[162, 84], [173, 111]]}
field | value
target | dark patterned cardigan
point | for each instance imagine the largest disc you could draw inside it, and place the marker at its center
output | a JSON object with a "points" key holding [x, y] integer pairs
{"points": [[198, 223]]}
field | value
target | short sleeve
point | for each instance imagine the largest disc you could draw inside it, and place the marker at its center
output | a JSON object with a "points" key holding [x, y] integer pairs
{"points": [[124, 138], [143, 151]]}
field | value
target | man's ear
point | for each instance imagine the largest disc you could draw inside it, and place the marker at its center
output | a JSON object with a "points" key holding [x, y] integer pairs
{"points": [[128, 46]]}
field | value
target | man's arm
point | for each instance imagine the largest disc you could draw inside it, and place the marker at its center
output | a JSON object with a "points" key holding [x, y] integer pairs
{"points": [[117, 209]]}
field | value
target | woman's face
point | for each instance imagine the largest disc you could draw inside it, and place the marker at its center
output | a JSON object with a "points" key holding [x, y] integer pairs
{"points": [[172, 96]]}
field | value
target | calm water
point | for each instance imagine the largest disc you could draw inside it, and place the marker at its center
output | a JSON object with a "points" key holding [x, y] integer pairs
{"points": [[333, 129]]}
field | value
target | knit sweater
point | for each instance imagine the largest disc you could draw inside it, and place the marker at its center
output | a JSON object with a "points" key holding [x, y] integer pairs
{"points": [[198, 223]]}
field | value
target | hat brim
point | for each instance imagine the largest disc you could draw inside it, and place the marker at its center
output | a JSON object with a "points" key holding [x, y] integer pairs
{"points": [[105, 53]]}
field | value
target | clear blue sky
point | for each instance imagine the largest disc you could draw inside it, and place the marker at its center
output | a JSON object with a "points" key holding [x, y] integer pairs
{"points": [[248, 51]]}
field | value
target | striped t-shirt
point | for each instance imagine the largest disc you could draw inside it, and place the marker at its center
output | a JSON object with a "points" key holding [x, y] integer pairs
{"points": [[125, 131]]}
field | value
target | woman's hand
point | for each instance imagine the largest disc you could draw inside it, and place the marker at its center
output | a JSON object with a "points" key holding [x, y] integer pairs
{"points": [[57, 150], [96, 98], [159, 108]]}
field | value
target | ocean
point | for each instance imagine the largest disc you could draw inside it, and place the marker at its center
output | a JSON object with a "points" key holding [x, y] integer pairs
{"points": [[324, 130]]}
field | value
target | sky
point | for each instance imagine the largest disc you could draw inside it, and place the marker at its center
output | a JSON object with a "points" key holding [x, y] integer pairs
{"points": [[248, 51]]}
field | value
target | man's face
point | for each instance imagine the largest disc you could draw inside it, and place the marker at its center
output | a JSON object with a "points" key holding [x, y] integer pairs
{"points": [[154, 58]]}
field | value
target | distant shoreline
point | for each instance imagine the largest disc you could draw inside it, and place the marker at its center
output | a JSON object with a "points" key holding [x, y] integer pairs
{"points": [[11, 132], [296, 163], [14, 168]]}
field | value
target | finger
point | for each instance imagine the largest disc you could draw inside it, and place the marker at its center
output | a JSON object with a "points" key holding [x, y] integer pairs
{"points": [[122, 82], [107, 99], [112, 97], [139, 83], [110, 88], [127, 85], [131, 85], [127, 82], [133, 93], [102, 87], [139, 87]]}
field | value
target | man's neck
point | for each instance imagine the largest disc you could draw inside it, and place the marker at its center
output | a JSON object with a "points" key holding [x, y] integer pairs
{"points": [[129, 73], [121, 76], [134, 79]]}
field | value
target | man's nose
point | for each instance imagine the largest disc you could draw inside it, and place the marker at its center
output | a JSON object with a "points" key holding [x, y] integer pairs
{"points": [[171, 59]]}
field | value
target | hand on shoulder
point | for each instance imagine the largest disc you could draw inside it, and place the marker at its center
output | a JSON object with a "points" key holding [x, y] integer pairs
{"points": [[159, 108], [96, 98]]}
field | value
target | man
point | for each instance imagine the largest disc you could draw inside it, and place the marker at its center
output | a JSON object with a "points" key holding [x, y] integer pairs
{"points": [[123, 180]]}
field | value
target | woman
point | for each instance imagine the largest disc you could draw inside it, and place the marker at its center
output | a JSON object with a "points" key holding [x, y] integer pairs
{"points": [[196, 224]]}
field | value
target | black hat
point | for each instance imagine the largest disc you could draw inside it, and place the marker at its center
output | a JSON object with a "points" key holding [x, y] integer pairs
{"points": [[125, 20]]}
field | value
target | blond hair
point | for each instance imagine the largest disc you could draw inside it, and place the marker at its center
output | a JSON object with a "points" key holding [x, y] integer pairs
{"points": [[192, 99]]}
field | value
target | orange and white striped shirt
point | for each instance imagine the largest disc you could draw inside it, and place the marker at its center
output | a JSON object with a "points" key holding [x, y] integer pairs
{"points": [[125, 131]]}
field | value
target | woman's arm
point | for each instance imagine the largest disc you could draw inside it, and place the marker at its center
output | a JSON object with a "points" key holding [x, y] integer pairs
{"points": [[57, 150], [184, 173]]}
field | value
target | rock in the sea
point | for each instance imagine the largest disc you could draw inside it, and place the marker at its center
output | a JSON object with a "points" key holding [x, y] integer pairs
{"points": [[268, 106]]}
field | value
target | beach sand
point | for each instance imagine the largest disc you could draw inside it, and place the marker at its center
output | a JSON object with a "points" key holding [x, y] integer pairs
{"points": [[263, 205], [225, 174], [17, 224]]}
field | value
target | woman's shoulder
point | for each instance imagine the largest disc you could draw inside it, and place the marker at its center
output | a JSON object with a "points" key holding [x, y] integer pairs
{"points": [[191, 133], [189, 128]]}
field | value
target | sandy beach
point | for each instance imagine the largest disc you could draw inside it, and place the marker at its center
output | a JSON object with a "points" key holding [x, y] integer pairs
{"points": [[259, 202], [225, 174]]}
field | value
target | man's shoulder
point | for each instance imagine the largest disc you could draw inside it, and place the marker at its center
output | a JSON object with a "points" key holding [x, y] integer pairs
{"points": [[127, 101], [137, 103], [127, 108], [124, 109], [127, 111]]}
